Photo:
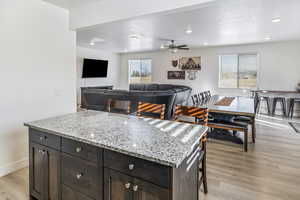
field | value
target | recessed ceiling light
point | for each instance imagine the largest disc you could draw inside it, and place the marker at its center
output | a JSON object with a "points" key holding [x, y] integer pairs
{"points": [[95, 40], [205, 43], [276, 20], [189, 30], [136, 37], [268, 38]]}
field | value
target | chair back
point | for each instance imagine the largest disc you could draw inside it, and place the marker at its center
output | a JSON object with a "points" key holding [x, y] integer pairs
{"points": [[119, 106], [195, 99], [200, 115], [151, 110]]}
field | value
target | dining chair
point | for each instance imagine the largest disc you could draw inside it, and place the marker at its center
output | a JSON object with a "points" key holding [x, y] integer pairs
{"points": [[119, 106], [151, 110], [200, 98], [200, 116], [195, 99]]}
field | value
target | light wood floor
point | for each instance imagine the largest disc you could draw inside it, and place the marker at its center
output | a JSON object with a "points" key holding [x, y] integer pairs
{"points": [[269, 171]]}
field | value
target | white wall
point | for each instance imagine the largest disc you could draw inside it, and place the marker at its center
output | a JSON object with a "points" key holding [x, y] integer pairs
{"points": [[279, 66], [113, 73], [37, 73]]}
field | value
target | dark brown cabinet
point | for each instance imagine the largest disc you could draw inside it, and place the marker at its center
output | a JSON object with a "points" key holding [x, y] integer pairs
{"points": [[44, 172], [118, 186], [66, 169]]}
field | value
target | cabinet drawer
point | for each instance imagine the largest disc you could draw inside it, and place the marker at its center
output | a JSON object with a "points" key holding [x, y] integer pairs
{"points": [[82, 176], [69, 194], [146, 170], [45, 139], [81, 150]]}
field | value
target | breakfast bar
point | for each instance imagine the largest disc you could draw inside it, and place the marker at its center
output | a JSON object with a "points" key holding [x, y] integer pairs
{"points": [[94, 155]]}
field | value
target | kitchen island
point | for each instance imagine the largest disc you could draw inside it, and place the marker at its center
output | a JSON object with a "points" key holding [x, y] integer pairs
{"points": [[95, 155]]}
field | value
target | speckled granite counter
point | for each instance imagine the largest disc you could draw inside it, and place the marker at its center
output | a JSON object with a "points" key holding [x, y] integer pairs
{"points": [[164, 142]]}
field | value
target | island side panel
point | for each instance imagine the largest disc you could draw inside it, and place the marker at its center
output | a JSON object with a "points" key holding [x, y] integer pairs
{"points": [[185, 178]]}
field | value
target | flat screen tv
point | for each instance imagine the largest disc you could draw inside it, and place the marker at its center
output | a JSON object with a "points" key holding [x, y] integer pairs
{"points": [[94, 68]]}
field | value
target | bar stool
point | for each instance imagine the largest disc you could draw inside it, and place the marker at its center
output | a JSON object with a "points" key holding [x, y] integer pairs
{"points": [[292, 106], [258, 104], [283, 105]]}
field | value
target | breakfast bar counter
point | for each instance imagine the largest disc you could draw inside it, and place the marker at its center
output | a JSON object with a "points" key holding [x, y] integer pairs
{"points": [[97, 155]]}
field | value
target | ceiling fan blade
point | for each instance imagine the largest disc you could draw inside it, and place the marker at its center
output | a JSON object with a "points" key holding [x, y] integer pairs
{"points": [[182, 46]]}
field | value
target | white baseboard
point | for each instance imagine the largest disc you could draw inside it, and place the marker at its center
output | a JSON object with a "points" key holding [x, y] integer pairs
{"points": [[14, 166]]}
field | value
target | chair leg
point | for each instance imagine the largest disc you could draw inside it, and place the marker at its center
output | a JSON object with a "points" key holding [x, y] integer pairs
{"points": [[246, 140], [253, 130], [283, 104], [274, 107], [292, 109], [268, 106], [257, 107]]}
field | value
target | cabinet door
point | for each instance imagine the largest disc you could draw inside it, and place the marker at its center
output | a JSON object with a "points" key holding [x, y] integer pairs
{"points": [[117, 186], [44, 172], [146, 191], [37, 170], [52, 175]]}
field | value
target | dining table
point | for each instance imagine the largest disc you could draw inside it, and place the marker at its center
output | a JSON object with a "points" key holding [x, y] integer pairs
{"points": [[230, 106]]}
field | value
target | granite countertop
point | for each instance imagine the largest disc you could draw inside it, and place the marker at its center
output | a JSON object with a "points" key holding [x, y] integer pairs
{"points": [[161, 141]]}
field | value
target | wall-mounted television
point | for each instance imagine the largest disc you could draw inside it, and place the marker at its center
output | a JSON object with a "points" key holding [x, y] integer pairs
{"points": [[94, 68]]}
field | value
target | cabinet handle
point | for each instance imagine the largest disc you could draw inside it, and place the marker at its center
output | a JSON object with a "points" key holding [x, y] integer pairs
{"points": [[78, 149], [127, 185], [131, 166], [79, 175], [135, 188]]}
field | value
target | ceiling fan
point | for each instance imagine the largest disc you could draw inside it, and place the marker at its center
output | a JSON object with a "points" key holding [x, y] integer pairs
{"points": [[174, 47]]}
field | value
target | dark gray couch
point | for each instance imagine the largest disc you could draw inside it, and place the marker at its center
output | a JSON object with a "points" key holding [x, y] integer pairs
{"points": [[170, 95]]}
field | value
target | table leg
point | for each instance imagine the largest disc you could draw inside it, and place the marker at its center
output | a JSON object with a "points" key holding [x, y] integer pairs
{"points": [[253, 129], [246, 140]]}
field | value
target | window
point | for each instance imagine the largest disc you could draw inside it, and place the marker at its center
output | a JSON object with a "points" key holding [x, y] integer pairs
{"points": [[140, 70], [238, 71]]}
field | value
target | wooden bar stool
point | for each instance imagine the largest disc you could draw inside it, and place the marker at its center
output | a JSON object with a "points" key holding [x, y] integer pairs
{"points": [[200, 116], [292, 106], [151, 110], [283, 105]]}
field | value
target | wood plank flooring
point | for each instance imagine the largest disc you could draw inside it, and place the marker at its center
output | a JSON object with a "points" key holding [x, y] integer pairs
{"points": [[269, 171]]}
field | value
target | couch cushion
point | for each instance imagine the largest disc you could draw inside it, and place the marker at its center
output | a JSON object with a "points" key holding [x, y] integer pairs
{"points": [[151, 87], [140, 87], [165, 87]]}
